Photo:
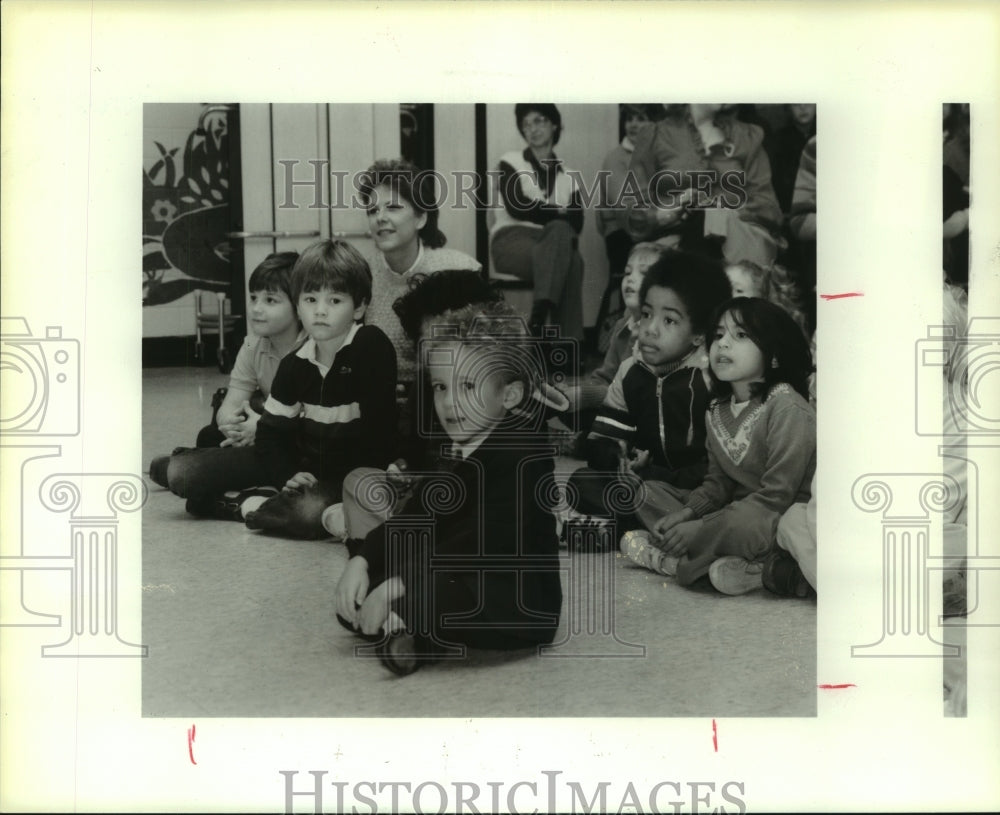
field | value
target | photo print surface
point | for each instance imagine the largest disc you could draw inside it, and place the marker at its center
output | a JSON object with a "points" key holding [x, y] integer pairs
{"points": [[637, 404]]}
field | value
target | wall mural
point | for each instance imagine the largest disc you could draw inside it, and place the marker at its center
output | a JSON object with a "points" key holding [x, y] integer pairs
{"points": [[185, 214]]}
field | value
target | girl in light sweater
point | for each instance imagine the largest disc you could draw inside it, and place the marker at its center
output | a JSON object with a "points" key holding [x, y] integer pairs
{"points": [[761, 443]]}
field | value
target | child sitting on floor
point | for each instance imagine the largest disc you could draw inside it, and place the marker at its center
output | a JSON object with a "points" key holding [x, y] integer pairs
{"points": [[203, 474], [332, 406], [652, 420], [490, 578], [761, 454], [585, 396]]}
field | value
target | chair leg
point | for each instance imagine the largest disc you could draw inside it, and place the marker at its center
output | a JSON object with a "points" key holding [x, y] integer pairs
{"points": [[221, 299], [614, 284]]}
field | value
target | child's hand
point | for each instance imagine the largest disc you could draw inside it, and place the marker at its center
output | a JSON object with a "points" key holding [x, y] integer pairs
{"points": [[571, 392], [677, 540], [668, 522], [398, 478], [375, 609], [241, 434], [300, 481], [352, 588], [634, 461]]}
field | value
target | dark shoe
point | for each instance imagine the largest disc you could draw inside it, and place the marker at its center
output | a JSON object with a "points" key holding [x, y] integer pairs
{"points": [[272, 514], [158, 471], [782, 576], [227, 506], [402, 653]]}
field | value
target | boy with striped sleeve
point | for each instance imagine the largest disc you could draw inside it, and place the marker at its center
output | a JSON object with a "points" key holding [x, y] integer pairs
{"points": [[332, 405]]}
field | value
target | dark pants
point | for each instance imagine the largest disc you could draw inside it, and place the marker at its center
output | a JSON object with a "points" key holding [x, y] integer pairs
{"points": [[550, 259], [746, 532], [443, 606], [208, 472]]}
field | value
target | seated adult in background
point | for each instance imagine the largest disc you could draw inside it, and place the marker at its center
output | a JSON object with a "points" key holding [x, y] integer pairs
{"points": [[611, 215], [706, 176], [403, 218], [786, 150], [538, 219]]}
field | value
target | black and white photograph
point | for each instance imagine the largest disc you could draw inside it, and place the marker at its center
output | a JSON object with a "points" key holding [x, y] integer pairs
{"points": [[647, 297], [456, 407]]}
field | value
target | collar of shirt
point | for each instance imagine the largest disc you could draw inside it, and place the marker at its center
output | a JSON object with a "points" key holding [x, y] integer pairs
{"points": [[308, 349], [267, 347], [463, 451], [627, 145]]}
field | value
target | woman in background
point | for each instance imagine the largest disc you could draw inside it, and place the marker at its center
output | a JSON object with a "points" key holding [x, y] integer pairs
{"points": [[538, 222]]}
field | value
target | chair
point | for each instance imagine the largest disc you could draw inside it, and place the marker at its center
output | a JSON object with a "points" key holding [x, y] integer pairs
{"points": [[209, 320], [517, 292]]}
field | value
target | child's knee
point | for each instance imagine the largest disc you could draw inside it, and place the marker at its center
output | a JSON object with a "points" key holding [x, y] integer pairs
{"points": [[792, 528], [180, 476]]}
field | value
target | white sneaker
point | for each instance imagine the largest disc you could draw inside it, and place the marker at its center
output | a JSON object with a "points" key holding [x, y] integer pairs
{"points": [[333, 521], [636, 546], [734, 575]]}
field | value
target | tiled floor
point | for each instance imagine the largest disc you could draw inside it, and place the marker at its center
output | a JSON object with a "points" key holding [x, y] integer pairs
{"points": [[241, 625]]}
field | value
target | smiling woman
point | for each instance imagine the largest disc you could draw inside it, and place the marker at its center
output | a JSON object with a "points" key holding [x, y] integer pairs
{"points": [[403, 216]]}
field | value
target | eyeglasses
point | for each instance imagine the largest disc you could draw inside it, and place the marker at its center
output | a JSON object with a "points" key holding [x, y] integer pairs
{"points": [[535, 122]]}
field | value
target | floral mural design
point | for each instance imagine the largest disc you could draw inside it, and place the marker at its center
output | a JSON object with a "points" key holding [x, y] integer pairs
{"points": [[185, 214]]}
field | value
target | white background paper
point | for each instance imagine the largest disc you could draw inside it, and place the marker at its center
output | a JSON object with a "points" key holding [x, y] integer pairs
{"points": [[75, 77]]}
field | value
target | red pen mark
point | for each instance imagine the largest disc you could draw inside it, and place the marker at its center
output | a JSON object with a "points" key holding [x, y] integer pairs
{"points": [[837, 687], [190, 743], [715, 736], [839, 296]]}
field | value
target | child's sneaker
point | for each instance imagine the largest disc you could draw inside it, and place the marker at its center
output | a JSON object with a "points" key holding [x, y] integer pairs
{"points": [[734, 575], [636, 547]]}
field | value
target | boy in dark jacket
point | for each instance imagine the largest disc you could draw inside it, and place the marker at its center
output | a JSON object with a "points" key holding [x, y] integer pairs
{"points": [[472, 558], [332, 405], [652, 421]]}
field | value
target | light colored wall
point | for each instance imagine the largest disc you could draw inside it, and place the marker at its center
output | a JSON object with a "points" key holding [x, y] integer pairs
{"points": [[455, 150], [348, 136]]}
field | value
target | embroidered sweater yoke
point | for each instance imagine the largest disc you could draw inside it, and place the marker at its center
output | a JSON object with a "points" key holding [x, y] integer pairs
{"points": [[765, 457]]}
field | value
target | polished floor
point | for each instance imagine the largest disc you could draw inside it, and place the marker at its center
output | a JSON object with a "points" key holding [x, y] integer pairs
{"points": [[242, 625]]}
